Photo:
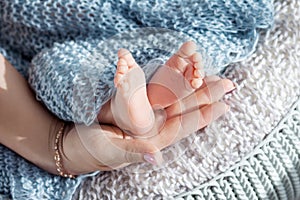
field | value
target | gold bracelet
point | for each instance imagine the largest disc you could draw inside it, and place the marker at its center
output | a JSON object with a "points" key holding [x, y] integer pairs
{"points": [[57, 157]]}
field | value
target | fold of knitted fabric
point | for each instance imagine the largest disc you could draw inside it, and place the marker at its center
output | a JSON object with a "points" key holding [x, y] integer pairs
{"points": [[80, 66], [250, 153], [71, 47]]}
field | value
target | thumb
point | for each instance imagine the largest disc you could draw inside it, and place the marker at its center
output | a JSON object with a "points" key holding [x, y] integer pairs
{"points": [[135, 151], [110, 150]]}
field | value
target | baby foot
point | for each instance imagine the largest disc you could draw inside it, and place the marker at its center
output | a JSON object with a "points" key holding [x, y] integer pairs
{"points": [[130, 106], [178, 78]]}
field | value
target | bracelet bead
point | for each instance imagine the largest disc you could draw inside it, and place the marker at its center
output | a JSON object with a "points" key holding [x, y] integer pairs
{"points": [[57, 157]]}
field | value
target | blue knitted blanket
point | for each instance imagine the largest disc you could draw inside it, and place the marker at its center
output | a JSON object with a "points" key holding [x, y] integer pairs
{"points": [[67, 50]]}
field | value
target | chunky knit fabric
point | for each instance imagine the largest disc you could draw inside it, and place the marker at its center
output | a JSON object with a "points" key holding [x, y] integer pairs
{"points": [[251, 153], [19, 179], [73, 77], [70, 49]]}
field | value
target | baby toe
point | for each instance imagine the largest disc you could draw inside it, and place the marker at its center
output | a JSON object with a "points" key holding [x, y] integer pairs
{"points": [[187, 49], [122, 66], [194, 76], [127, 56], [196, 57], [200, 69], [117, 79], [198, 73], [122, 52], [177, 63], [196, 82]]}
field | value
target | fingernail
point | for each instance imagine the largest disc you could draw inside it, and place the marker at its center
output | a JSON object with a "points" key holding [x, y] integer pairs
{"points": [[150, 159], [229, 87]]}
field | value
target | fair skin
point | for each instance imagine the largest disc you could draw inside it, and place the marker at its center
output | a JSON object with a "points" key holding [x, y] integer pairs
{"points": [[28, 128], [133, 106], [135, 101], [184, 67]]}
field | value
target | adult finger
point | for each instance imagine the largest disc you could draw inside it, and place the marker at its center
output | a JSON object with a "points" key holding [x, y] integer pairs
{"points": [[112, 151], [179, 107], [182, 126], [134, 151], [213, 92]]}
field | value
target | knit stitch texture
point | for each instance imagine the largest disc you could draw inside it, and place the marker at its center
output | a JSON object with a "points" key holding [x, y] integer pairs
{"points": [[254, 148], [67, 50], [73, 77]]}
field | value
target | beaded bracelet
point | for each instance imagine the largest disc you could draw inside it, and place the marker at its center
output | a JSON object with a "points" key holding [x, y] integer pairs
{"points": [[57, 157]]}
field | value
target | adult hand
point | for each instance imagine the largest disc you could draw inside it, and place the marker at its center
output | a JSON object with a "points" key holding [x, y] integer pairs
{"points": [[105, 147]]}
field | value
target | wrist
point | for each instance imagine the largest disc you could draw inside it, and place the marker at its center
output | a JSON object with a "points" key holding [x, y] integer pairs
{"points": [[76, 159]]}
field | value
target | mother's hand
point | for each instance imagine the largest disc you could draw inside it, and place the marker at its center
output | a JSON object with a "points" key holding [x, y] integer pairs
{"points": [[104, 147]]}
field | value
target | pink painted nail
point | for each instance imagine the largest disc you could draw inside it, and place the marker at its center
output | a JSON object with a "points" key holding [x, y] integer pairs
{"points": [[150, 158]]}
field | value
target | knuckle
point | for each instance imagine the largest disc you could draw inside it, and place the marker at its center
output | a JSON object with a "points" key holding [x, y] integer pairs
{"points": [[128, 157]]}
